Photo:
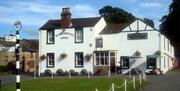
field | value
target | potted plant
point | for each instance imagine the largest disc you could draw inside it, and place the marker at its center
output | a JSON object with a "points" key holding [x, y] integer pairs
{"points": [[158, 52], [63, 55], [42, 57], [137, 53], [88, 56]]}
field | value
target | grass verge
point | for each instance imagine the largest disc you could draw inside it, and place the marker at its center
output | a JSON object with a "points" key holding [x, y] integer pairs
{"points": [[84, 84]]}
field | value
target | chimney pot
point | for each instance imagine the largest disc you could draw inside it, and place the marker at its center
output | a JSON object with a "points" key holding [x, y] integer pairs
{"points": [[65, 17]]}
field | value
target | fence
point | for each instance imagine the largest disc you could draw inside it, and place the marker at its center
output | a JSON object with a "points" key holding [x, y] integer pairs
{"points": [[126, 83]]}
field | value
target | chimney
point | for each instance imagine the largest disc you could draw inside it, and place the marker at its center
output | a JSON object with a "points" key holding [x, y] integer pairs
{"points": [[65, 17]]}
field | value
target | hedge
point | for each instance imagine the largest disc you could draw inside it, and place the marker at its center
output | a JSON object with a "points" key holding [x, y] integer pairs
{"points": [[3, 68]]}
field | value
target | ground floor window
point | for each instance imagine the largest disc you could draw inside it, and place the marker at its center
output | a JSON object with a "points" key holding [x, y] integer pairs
{"points": [[125, 62], [79, 59], [50, 60], [151, 63], [102, 58]]}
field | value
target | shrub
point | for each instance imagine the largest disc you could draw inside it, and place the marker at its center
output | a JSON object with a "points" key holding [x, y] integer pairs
{"points": [[3, 68], [12, 67]]}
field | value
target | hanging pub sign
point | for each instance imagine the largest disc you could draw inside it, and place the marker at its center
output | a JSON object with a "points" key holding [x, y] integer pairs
{"points": [[136, 36]]}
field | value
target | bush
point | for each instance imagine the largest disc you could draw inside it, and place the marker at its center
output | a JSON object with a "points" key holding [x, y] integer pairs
{"points": [[3, 68], [12, 67]]}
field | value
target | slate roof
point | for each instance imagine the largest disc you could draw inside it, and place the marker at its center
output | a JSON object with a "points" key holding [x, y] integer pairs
{"points": [[6, 44], [114, 28], [27, 45], [76, 22]]}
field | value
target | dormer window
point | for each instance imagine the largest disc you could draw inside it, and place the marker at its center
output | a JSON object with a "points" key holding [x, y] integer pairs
{"points": [[50, 37], [79, 35]]}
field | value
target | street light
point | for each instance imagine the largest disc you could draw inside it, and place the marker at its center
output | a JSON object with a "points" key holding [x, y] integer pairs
{"points": [[17, 28]]}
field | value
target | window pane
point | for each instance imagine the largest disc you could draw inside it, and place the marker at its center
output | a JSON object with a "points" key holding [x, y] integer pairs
{"points": [[79, 35], [50, 36], [106, 60], [97, 61], [99, 43], [125, 62], [151, 62], [50, 59], [79, 59]]}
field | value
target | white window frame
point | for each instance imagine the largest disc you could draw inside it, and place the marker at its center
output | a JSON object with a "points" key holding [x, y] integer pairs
{"points": [[79, 35], [50, 60], [102, 60], [125, 60], [50, 37], [78, 59], [99, 42], [149, 59]]}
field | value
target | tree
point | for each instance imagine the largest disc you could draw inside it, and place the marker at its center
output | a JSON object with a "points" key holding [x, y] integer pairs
{"points": [[116, 15], [149, 22], [170, 25]]}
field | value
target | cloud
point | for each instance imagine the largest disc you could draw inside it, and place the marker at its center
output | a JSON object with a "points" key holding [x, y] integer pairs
{"points": [[83, 11], [151, 5], [36, 14]]}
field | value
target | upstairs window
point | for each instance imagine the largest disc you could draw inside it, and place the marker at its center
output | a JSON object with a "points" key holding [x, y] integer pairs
{"points": [[125, 62], [99, 42], [50, 60], [79, 59], [50, 37], [79, 35]]}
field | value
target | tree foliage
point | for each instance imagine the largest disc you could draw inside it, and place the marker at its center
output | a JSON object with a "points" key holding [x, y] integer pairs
{"points": [[170, 25], [116, 15], [149, 22]]}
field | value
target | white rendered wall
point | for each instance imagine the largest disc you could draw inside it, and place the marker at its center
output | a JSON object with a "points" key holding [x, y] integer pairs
{"points": [[117, 42], [69, 47]]}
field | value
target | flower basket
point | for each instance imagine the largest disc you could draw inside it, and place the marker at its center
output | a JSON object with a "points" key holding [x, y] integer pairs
{"points": [[137, 53], [88, 56], [158, 52], [63, 55], [42, 57]]}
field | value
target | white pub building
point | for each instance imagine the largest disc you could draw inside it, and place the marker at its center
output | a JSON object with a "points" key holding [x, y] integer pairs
{"points": [[81, 45]]}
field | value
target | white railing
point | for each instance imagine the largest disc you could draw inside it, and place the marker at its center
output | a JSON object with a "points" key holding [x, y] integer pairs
{"points": [[126, 83]]}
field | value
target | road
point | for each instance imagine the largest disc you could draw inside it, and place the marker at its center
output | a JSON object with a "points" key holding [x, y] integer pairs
{"points": [[12, 79], [168, 82]]}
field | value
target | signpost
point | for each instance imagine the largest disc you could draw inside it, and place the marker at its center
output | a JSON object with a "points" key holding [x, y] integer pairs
{"points": [[17, 27]]}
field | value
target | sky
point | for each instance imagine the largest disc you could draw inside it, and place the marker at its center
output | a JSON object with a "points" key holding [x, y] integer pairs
{"points": [[34, 13]]}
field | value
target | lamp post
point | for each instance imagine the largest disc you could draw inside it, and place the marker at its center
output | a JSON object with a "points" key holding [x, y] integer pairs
{"points": [[17, 27]]}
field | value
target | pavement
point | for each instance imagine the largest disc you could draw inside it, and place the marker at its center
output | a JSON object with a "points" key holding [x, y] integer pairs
{"points": [[167, 82], [12, 79]]}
